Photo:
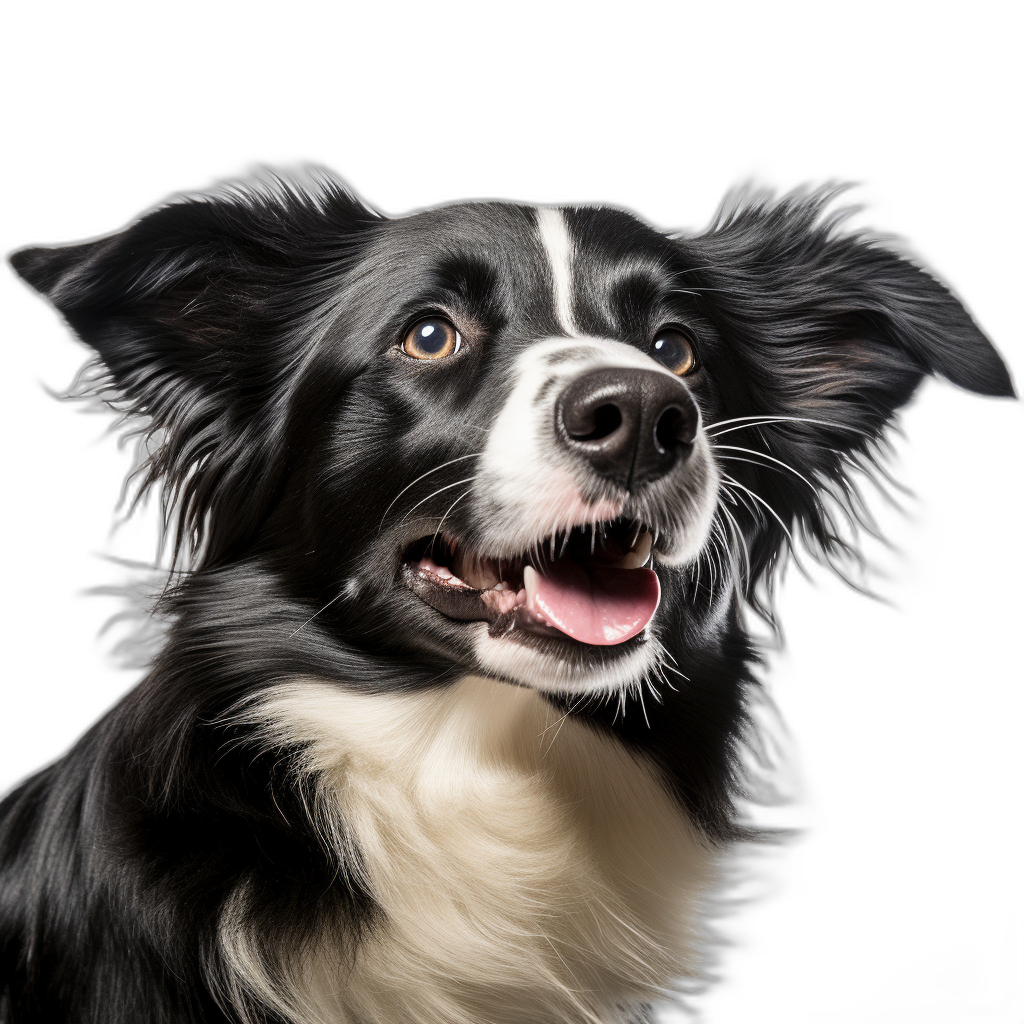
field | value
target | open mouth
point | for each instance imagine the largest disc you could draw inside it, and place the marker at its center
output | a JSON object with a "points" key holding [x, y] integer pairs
{"points": [[589, 584]]}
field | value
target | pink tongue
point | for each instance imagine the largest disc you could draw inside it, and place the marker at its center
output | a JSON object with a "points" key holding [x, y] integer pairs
{"points": [[596, 605]]}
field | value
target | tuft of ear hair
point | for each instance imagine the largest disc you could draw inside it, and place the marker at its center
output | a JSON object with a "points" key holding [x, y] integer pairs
{"points": [[829, 334], [196, 314]]}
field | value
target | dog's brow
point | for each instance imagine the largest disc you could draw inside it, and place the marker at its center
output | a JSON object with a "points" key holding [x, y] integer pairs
{"points": [[554, 236]]}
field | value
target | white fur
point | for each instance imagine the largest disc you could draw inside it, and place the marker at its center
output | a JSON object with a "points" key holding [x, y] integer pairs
{"points": [[525, 477], [529, 869], [554, 236], [527, 481], [510, 659]]}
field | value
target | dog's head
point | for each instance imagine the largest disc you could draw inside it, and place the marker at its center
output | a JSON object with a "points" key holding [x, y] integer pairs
{"points": [[532, 442]]}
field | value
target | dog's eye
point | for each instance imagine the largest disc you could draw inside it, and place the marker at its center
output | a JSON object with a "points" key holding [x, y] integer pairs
{"points": [[433, 338], [674, 348]]}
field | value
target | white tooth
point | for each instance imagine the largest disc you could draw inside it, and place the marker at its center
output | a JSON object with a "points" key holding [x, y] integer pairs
{"points": [[527, 597], [638, 554], [444, 573], [643, 545], [530, 578]]}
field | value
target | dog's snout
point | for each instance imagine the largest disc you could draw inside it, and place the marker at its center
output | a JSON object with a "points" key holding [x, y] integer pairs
{"points": [[631, 425]]}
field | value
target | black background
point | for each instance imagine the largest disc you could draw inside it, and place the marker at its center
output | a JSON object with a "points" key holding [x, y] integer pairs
{"points": [[902, 903]]}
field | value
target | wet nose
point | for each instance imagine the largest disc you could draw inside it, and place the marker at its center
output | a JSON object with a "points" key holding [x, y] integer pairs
{"points": [[631, 425]]}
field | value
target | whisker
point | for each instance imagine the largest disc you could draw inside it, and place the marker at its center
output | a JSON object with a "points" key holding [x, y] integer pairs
{"points": [[761, 421], [315, 614], [762, 455], [447, 487], [734, 528], [758, 498], [719, 550], [433, 540], [653, 689], [643, 706], [741, 500], [423, 476], [621, 709]]}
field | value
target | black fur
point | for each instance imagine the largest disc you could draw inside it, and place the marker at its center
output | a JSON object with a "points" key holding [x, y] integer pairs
{"points": [[251, 333]]}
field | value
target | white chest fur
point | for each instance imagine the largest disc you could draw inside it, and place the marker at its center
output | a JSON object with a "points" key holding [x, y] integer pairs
{"points": [[529, 869]]}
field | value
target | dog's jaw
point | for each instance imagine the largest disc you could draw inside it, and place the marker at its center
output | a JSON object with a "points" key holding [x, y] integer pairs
{"points": [[543, 670]]}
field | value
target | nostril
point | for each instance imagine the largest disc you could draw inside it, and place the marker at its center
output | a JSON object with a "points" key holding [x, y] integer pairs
{"points": [[629, 425], [673, 430], [599, 424]]}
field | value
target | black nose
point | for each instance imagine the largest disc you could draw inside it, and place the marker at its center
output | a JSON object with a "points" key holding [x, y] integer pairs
{"points": [[632, 426]]}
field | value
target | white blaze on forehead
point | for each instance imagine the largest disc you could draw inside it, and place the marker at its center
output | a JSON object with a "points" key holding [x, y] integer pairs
{"points": [[554, 236]]}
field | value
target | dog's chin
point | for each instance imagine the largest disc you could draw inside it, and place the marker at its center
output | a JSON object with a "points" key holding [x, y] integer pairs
{"points": [[573, 614], [565, 666]]}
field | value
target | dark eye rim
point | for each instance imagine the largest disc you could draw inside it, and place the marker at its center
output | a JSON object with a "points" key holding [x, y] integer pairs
{"points": [[421, 318], [691, 340]]}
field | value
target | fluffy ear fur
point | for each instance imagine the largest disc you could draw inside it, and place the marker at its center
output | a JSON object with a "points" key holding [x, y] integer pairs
{"points": [[827, 335], [197, 314]]}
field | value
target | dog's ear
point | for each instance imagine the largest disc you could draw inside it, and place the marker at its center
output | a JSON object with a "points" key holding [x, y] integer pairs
{"points": [[831, 316], [825, 335], [197, 314], [194, 296]]}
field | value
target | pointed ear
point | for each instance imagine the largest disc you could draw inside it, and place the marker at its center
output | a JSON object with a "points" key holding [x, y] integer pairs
{"points": [[195, 313], [182, 300], [838, 321], [43, 268], [824, 335]]}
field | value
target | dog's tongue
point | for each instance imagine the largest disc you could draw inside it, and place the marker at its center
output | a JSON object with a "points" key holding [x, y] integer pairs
{"points": [[594, 604]]}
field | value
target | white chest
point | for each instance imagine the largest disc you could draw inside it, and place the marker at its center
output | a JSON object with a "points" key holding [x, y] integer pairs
{"points": [[529, 869]]}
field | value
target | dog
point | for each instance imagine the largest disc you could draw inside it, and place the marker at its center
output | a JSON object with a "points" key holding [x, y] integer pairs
{"points": [[468, 513]]}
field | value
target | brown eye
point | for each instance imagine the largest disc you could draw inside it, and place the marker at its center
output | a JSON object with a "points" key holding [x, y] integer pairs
{"points": [[675, 349], [433, 338]]}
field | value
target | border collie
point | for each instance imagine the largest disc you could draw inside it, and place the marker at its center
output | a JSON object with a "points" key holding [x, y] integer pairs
{"points": [[448, 496]]}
